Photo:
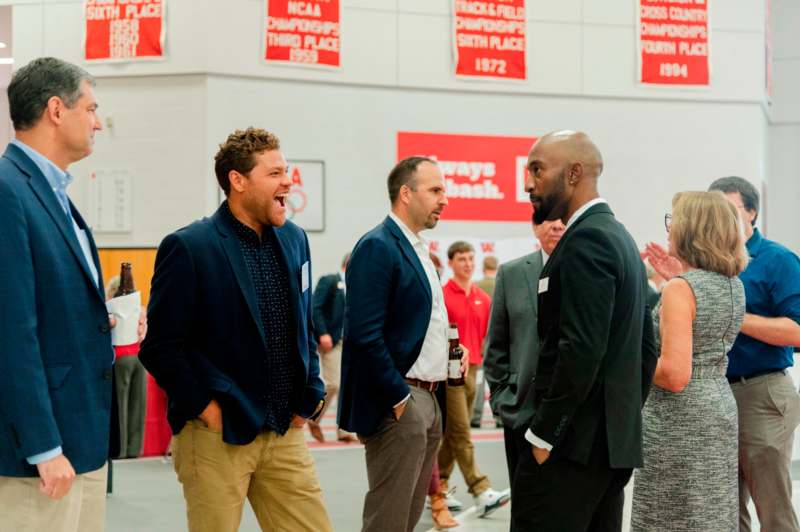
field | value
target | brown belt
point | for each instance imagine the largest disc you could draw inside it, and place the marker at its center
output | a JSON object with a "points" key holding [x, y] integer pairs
{"points": [[425, 385]]}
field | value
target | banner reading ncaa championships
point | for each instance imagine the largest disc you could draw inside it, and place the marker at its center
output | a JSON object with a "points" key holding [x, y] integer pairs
{"points": [[303, 33], [673, 42], [484, 175], [489, 38], [123, 30]]}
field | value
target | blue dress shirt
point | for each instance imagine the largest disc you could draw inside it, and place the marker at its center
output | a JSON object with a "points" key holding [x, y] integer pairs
{"points": [[772, 289]]}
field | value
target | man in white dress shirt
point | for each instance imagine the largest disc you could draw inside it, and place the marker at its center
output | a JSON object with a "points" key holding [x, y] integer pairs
{"points": [[395, 349]]}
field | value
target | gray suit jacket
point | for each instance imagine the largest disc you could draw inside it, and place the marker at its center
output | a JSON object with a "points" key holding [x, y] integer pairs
{"points": [[512, 345]]}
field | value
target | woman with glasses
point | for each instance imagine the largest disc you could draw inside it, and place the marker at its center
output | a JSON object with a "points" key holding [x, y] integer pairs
{"points": [[689, 480]]}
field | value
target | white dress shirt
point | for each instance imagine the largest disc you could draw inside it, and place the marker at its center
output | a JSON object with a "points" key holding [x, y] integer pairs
{"points": [[431, 365], [530, 436]]}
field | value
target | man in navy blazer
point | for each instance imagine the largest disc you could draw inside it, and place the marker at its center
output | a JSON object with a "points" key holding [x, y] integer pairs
{"points": [[395, 349], [231, 343], [55, 348]]}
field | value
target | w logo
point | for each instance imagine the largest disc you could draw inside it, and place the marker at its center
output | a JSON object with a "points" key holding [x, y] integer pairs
{"points": [[487, 247]]}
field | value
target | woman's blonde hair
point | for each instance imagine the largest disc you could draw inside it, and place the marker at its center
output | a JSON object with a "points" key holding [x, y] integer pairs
{"points": [[707, 232]]}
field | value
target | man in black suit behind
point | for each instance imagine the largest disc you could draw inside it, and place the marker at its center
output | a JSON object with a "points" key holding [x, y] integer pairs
{"points": [[327, 306], [597, 351]]}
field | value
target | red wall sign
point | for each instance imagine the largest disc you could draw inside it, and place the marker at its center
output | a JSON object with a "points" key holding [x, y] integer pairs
{"points": [[303, 33], [121, 30], [489, 38], [673, 42], [485, 175]]}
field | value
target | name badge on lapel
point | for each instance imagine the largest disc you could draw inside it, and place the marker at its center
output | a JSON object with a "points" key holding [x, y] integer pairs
{"points": [[544, 284], [304, 277]]}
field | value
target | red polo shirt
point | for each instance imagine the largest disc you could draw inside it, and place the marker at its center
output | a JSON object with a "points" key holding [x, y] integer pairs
{"points": [[470, 312]]}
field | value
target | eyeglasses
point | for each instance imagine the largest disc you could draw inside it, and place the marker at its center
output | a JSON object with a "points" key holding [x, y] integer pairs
{"points": [[668, 221]]}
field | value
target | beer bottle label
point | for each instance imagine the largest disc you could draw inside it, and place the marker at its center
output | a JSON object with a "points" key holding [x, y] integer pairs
{"points": [[453, 369]]}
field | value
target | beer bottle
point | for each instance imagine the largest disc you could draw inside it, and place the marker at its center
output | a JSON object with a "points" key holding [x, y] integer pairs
{"points": [[454, 375], [125, 281]]}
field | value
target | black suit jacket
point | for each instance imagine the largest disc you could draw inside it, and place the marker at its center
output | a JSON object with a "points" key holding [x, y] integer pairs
{"points": [[328, 307], [598, 353], [205, 337]]}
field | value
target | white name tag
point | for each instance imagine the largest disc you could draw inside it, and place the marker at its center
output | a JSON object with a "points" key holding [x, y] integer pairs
{"points": [[544, 284], [304, 277]]}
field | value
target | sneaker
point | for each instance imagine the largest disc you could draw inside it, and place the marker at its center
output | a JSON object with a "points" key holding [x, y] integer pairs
{"points": [[453, 504], [490, 500]]}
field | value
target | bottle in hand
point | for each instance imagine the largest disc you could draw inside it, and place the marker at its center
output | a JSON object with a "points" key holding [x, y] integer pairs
{"points": [[454, 375], [125, 280]]}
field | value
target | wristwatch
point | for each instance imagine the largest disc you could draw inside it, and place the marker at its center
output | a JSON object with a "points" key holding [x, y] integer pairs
{"points": [[317, 411]]}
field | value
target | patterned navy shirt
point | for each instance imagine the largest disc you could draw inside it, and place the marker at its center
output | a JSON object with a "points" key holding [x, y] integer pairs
{"points": [[271, 283]]}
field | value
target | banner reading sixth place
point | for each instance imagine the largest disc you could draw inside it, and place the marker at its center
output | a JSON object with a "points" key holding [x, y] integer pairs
{"points": [[673, 42], [303, 33], [485, 175], [120, 30], [489, 38]]}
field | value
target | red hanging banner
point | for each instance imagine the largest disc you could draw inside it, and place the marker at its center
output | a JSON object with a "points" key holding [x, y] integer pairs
{"points": [[484, 175], [673, 42], [489, 38], [303, 33], [122, 30]]}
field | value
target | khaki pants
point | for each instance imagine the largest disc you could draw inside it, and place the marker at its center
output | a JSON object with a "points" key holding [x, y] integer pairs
{"points": [[23, 508], [456, 443], [769, 411], [331, 365], [275, 473]]}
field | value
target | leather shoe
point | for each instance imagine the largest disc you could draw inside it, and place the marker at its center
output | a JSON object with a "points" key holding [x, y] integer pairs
{"points": [[345, 437]]}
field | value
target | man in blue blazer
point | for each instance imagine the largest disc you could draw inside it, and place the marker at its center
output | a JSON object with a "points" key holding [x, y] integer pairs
{"points": [[55, 348], [395, 349], [231, 343]]}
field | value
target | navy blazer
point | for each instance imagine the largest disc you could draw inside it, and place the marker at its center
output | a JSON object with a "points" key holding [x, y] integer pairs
{"points": [[205, 338], [328, 305], [55, 345], [387, 314]]}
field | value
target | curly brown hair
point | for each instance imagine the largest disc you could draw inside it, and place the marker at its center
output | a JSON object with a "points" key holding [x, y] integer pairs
{"points": [[236, 153]]}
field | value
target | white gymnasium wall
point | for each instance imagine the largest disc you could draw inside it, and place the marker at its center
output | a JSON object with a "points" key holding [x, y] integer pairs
{"points": [[783, 190], [652, 149], [169, 116]]}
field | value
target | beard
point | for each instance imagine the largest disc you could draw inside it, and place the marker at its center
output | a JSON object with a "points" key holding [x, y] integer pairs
{"points": [[431, 220], [553, 206]]}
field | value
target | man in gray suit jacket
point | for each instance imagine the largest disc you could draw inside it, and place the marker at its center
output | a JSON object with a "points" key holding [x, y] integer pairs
{"points": [[512, 343]]}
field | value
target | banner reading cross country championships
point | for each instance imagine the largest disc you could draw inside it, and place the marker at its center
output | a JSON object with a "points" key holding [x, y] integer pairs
{"points": [[122, 30], [673, 42], [484, 175], [489, 38], [303, 33]]}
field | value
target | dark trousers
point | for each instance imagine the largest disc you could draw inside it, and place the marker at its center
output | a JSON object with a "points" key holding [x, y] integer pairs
{"points": [[565, 496], [399, 463], [515, 442]]}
